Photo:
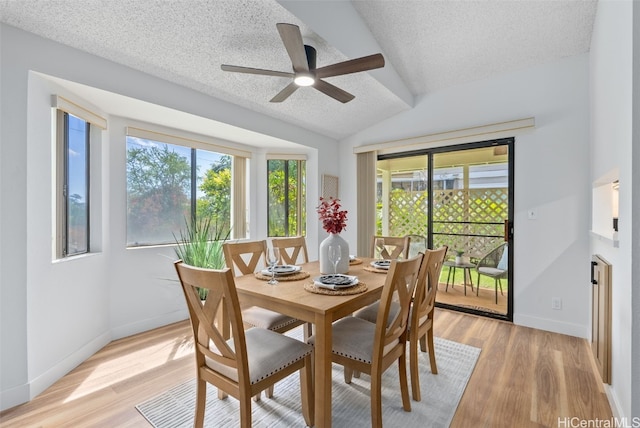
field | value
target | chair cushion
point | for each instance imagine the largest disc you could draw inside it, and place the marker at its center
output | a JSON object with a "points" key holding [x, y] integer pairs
{"points": [[370, 313], [264, 318], [493, 272], [268, 353], [353, 338]]}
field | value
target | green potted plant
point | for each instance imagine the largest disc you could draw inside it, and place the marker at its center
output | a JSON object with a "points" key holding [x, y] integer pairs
{"points": [[459, 259], [200, 245]]}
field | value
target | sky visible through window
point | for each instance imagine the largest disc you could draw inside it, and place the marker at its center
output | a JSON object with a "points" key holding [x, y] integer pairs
{"points": [[77, 158]]}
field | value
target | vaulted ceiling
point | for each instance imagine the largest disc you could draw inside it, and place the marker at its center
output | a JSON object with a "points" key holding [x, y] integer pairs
{"points": [[428, 45]]}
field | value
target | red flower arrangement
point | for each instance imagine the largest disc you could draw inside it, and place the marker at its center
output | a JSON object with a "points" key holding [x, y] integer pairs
{"points": [[333, 218]]}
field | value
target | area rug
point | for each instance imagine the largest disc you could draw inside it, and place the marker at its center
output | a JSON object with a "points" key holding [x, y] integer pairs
{"points": [[441, 394]]}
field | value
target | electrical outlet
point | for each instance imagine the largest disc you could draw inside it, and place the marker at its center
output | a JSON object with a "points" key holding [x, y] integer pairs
{"points": [[556, 303]]}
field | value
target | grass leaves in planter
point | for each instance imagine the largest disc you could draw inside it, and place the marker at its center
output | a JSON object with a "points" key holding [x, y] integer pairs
{"points": [[200, 245]]}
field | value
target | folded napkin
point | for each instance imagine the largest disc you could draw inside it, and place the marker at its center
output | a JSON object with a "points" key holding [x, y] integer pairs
{"points": [[339, 281], [282, 270]]}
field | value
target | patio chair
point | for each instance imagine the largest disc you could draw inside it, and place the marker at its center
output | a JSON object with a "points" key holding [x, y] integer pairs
{"points": [[495, 265], [251, 360], [417, 244]]}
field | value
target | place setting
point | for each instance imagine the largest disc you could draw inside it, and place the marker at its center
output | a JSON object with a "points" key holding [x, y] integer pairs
{"points": [[379, 266], [335, 283], [280, 272]]}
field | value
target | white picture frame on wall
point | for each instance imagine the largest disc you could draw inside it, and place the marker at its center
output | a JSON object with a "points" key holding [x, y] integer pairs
{"points": [[329, 186]]}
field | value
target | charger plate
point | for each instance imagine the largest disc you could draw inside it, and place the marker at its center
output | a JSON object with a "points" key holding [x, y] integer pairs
{"points": [[360, 287], [376, 270], [290, 277]]}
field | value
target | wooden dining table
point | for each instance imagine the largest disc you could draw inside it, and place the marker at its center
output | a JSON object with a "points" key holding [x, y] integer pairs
{"points": [[291, 298]]}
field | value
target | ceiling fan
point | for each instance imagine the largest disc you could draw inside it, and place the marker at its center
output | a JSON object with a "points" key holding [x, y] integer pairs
{"points": [[305, 73]]}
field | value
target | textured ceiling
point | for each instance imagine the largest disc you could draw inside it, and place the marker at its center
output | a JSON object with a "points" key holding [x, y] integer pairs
{"points": [[428, 45]]}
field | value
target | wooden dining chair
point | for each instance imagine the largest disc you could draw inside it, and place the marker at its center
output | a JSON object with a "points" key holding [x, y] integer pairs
{"points": [[394, 247], [422, 314], [250, 361], [292, 249], [372, 348], [246, 258]]}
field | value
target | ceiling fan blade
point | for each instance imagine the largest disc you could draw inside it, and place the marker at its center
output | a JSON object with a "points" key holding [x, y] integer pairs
{"points": [[249, 70], [292, 39], [333, 91], [352, 66], [284, 94]]}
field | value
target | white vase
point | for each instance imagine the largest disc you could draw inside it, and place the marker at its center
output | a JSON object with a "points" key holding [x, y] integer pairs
{"points": [[326, 267]]}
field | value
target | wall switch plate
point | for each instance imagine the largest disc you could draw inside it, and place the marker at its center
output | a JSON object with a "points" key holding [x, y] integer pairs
{"points": [[556, 303], [532, 214]]}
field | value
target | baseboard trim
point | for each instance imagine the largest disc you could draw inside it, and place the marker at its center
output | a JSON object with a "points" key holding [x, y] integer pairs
{"points": [[26, 392], [571, 329], [14, 396], [148, 324], [614, 403]]}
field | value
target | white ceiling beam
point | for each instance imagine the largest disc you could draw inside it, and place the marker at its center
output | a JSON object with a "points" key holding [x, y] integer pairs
{"points": [[341, 26]]}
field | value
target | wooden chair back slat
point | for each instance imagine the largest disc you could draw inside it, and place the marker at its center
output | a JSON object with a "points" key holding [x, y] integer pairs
{"points": [[291, 248], [208, 332], [427, 285], [237, 253], [394, 247]]}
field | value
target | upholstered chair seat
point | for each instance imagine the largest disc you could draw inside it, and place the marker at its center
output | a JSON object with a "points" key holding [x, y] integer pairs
{"points": [[264, 318], [267, 353], [353, 338]]}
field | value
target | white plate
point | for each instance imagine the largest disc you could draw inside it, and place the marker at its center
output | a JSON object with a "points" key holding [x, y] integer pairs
{"points": [[282, 270], [381, 264], [335, 282]]}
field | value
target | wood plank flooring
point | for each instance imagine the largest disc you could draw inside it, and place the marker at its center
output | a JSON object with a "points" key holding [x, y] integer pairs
{"points": [[523, 378], [484, 301]]}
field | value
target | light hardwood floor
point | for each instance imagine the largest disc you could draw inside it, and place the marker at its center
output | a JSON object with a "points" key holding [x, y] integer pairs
{"points": [[523, 378]]}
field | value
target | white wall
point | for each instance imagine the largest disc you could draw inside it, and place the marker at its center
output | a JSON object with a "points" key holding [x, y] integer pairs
{"points": [[611, 146], [551, 256], [53, 315]]}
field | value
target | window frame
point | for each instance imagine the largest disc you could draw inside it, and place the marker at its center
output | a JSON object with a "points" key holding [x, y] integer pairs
{"points": [[195, 142], [62, 184], [82, 110]]}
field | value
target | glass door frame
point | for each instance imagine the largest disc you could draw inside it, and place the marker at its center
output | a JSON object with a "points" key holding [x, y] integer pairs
{"points": [[508, 228]]}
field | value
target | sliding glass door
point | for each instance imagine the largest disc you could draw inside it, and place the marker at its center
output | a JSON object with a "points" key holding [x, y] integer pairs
{"points": [[460, 197]]}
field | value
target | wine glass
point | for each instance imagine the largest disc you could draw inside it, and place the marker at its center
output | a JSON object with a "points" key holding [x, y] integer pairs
{"points": [[273, 256], [335, 254], [379, 244]]}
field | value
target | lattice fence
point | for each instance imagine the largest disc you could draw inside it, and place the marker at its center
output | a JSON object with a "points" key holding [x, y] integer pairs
{"points": [[470, 220]]}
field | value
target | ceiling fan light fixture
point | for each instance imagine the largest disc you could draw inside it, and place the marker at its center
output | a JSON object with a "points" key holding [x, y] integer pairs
{"points": [[304, 79]]}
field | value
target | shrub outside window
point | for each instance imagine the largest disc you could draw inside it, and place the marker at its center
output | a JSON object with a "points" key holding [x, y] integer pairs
{"points": [[286, 197], [169, 185]]}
